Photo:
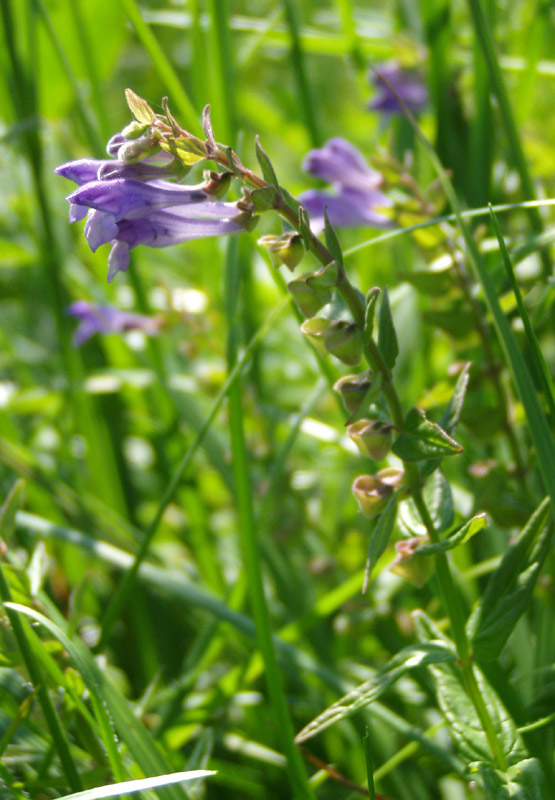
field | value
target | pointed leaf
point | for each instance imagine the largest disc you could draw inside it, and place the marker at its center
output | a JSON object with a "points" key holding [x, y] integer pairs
{"points": [[387, 338], [139, 107], [422, 439], [188, 150], [380, 537], [332, 242], [451, 416], [510, 588], [268, 171], [439, 502], [460, 535], [371, 300], [409, 658], [304, 227]]}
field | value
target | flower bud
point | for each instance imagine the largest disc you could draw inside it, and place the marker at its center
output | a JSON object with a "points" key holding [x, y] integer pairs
{"points": [[135, 129], [353, 389], [415, 570], [287, 248], [372, 494], [344, 341], [315, 330], [217, 183], [372, 437], [309, 300], [138, 148]]}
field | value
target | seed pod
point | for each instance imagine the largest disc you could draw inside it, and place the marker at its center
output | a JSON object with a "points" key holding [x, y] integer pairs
{"points": [[372, 437]]}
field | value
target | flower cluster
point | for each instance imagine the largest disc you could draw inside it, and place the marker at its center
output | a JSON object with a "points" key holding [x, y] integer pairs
{"points": [[127, 202], [357, 195]]}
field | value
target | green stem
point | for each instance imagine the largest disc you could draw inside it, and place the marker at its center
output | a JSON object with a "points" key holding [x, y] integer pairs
{"points": [[452, 603]]}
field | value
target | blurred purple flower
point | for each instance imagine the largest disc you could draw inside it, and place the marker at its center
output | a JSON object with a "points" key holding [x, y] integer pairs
{"points": [[125, 204], [95, 318], [407, 83], [357, 193]]}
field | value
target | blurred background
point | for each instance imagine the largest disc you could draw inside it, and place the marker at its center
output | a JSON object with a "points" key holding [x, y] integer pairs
{"points": [[98, 431]]}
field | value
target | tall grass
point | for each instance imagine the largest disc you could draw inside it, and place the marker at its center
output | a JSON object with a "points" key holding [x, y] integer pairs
{"points": [[182, 557]]}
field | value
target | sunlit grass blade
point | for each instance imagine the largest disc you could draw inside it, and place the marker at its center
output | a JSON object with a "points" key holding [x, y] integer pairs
{"points": [[140, 785], [539, 241], [537, 356]]}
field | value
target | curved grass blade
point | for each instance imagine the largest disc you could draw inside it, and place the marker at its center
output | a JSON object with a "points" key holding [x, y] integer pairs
{"points": [[140, 785]]}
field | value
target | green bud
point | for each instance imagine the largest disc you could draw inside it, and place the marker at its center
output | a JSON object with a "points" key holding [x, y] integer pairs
{"points": [[315, 330], [308, 301], [344, 341], [135, 129], [217, 183], [372, 437], [353, 389], [371, 494], [287, 248], [138, 148], [415, 570]]}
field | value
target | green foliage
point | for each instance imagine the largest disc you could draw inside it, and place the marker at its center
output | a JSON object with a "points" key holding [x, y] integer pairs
{"points": [[182, 557]]}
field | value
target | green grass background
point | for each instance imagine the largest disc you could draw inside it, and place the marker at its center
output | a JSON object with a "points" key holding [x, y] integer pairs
{"points": [[99, 433]]}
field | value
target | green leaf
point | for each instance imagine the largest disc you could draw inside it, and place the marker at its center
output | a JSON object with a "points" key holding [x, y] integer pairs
{"points": [[422, 439], [523, 781], [304, 227], [265, 198], [140, 785], [451, 416], [332, 242], [463, 721], [387, 338], [371, 300], [139, 108], [439, 502], [380, 537], [417, 655], [460, 535], [268, 171], [189, 151], [510, 588]]}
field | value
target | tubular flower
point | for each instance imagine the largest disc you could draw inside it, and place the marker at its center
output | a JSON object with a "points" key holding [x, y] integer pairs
{"points": [[407, 84], [96, 318], [357, 188], [127, 204]]}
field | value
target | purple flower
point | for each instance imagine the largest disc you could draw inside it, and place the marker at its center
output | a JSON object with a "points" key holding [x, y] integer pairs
{"points": [[127, 204], [406, 83], [95, 318], [357, 193]]}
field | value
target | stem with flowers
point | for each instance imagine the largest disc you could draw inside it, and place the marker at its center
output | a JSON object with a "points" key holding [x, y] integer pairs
{"points": [[286, 207]]}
